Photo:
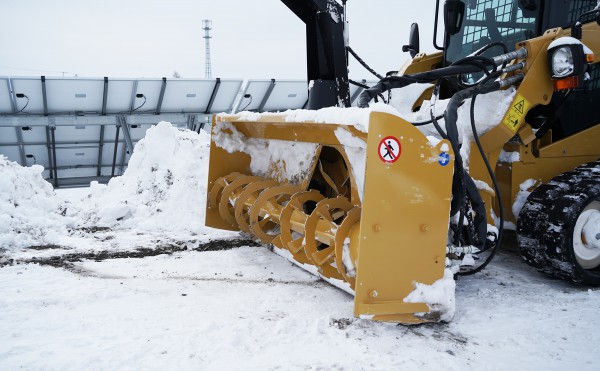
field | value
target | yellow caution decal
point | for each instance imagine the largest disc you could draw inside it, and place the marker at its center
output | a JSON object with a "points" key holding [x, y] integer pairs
{"points": [[516, 113]]}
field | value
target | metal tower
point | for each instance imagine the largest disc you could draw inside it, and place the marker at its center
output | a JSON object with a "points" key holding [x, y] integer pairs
{"points": [[207, 26]]}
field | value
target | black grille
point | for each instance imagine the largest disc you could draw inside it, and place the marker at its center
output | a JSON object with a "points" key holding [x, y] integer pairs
{"points": [[578, 7], [507, 13]]}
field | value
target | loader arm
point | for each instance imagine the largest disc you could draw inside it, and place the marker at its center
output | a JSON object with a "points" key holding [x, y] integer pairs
{"points": [[326, 57]]}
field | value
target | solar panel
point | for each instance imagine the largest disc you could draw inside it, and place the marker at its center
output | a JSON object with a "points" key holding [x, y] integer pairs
{"points": [[31, 87], [5, 96], [273, 95], [87, 122], [150, 89], [118, 97], [74, 96]]}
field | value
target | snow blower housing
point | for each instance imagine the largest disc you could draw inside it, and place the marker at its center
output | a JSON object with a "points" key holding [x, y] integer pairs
{"points": [[389, 209]]}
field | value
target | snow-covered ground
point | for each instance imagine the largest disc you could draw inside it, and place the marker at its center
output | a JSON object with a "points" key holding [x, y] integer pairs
{"points": [[126, 276], [247, 308]]}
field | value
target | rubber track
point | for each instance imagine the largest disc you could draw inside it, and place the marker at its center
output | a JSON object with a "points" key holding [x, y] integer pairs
{"points": [[546, 221]]}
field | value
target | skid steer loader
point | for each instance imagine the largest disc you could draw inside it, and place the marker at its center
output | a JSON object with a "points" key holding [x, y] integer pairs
{"points": [[390, 209]]}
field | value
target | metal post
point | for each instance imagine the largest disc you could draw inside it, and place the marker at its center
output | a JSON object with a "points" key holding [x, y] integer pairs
{"points": [[126, 134], [123, 156], [54, 166], [100, 147], [21, 149], [44, 96], [49, 151], [112, 173], [266, 97], [105, 96], [161, 96], [213, 96]]}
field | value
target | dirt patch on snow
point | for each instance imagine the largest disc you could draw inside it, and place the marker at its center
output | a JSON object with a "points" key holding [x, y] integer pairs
{"points": [[66, 260]]}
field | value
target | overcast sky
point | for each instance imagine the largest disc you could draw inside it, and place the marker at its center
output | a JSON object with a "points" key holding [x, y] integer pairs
{"points": [[153, 38]]}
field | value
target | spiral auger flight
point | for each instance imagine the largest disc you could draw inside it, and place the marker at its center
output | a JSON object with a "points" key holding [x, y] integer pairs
{"points": [[314, 229]]}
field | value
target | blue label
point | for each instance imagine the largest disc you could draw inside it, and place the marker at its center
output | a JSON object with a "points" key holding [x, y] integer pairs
{"points": [[444, 159]]}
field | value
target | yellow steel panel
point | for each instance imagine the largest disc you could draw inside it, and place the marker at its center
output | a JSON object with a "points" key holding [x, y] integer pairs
{"points": [[405, 214]]}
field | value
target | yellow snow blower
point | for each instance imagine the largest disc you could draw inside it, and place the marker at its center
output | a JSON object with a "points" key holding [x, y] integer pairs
{"points": [[385, 208]]}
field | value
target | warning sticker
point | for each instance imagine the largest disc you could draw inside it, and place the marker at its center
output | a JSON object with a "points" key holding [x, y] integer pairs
{"points": [[516, 113], [389, 150]]}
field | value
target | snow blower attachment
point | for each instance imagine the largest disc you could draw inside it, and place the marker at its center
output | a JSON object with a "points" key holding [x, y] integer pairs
{"points": [[375, 244], [383, 211]]}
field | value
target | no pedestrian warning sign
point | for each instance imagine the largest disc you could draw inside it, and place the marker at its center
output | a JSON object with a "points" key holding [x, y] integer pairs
{"points": [[389, 149]]}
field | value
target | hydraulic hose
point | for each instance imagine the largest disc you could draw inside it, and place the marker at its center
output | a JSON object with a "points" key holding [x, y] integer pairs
{"points": [[468, 65], [463, 184]]}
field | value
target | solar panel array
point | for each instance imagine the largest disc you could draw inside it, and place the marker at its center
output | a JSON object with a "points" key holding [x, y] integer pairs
{"points": [[84, 129]]}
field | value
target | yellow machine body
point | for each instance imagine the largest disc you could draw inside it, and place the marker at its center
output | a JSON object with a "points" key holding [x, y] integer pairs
{"points": [[378, 227]]}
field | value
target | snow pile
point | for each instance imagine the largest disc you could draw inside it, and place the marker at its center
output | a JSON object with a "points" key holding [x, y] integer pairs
{"points": [[163, 188], [439, 297], [30, 214]]}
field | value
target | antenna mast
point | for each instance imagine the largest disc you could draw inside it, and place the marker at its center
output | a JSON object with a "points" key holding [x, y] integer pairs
{"points": [[207, 26]]}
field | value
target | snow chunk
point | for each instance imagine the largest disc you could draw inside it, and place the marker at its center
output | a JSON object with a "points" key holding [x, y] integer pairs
{"points": [[439, 297], [509, 157], [347, 259], [356, 150], [483, 186], [524, 191], [354, 116]]}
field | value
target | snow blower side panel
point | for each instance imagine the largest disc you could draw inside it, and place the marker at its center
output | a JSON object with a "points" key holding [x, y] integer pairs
{"points": [[404, 222]]}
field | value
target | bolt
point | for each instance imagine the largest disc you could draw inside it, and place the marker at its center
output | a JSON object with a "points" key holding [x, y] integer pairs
{"points": [[425, 228], [598, 236], [373, 294], [377, 227]]}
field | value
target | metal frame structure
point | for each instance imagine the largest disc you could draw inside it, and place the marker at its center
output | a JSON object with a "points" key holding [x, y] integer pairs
{"points": [[280, 95], [84, 129]]}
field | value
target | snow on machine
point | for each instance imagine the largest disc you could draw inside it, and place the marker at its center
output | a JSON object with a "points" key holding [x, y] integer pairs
{"points": [[388, 202]]}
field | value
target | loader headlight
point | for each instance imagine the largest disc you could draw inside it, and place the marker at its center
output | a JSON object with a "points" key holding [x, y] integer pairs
{"points": [[568, 59], [562, 62]]}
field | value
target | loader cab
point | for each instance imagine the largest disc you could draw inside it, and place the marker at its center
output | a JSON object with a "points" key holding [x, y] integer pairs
{"points": [[473, 24], [477, 23]]}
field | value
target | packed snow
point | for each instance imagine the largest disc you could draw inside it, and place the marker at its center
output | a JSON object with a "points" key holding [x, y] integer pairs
{"points": [[438, 296], [275, 159], [124, 276]]}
